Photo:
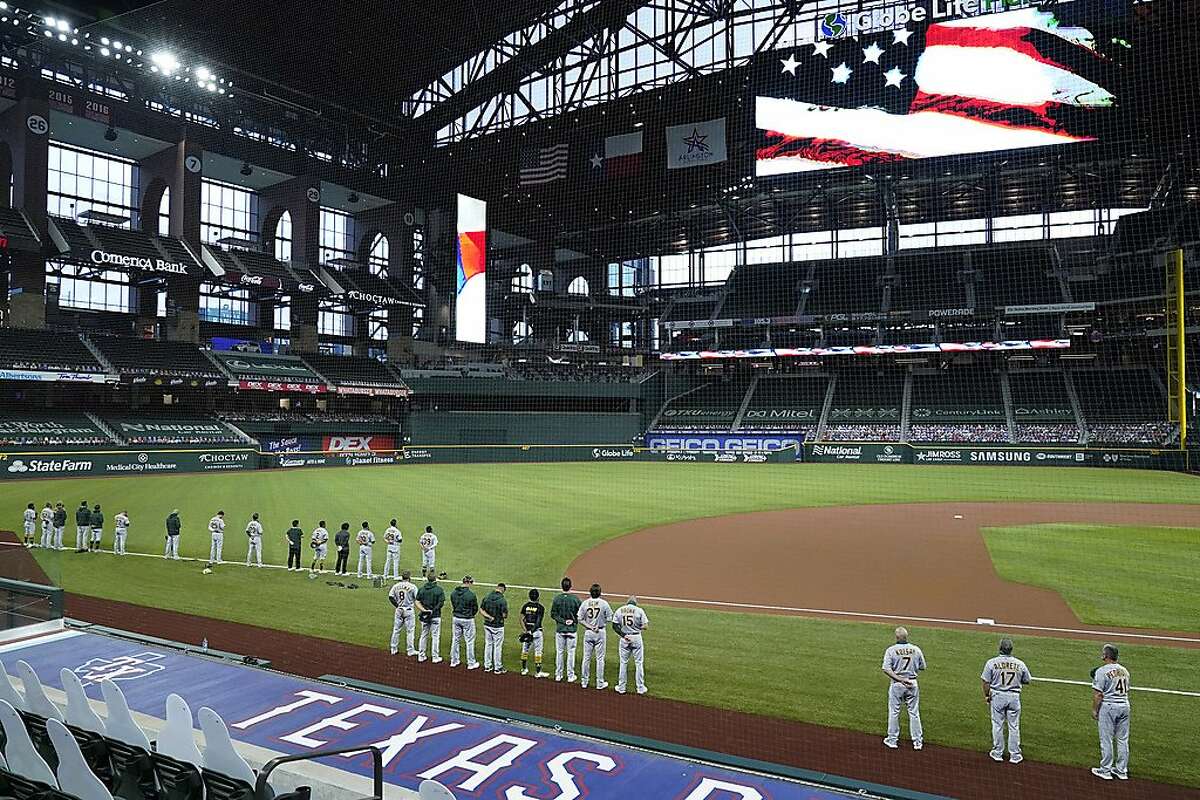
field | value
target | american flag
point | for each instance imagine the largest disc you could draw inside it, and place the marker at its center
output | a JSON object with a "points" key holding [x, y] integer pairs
{"points": [[1001, 81], [544, 165]]}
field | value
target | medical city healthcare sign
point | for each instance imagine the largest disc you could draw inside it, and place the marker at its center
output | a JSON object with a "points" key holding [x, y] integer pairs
{"points": [[470, 310]]}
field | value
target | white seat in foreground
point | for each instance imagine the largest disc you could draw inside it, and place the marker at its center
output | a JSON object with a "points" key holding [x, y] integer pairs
{"points": [[23, 758], [118, 723], [79, 709], [219, 753], [432, 790], [8, 692], [74, 775], [36, 701], [177, 739]]}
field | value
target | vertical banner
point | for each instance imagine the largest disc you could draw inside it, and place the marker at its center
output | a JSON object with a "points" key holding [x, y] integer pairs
{"points": [[470, 308]]}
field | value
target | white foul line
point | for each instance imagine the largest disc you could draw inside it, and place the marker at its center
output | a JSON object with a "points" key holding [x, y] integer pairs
{"points": [[976, 623], [1131, 688]]}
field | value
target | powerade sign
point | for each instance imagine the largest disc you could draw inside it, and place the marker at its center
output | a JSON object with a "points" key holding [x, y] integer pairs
{"points": [[723, 443]]}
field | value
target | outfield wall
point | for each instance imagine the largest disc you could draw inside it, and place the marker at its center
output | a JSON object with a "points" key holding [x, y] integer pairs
{"points": [[900, 453], [519, 427]]}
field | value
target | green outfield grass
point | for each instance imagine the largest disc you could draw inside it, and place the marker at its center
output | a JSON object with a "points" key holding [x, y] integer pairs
{"points": [[1110, 575], [525, 523]]}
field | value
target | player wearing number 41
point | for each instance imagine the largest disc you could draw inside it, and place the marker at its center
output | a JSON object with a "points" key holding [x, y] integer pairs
{"points": [[1110, 709], [1002, 679], [901, 662]]}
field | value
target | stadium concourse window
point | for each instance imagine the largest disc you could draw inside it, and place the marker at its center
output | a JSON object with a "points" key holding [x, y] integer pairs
{"points": [[335, 319], [418, 321], [80, 180], [623, 334], [625, 277], [283, 313], [522, 280], [164, 213], [418, 269], [283, 238], [522, 332], [227, 210], [227, 306], [337, 234], [579, 287], [377, 259], [377, 325]]}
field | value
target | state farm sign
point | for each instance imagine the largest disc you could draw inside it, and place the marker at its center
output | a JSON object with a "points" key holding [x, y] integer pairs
{"points": [[358, 444]]}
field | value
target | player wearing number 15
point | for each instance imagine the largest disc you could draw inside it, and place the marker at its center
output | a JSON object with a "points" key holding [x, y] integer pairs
{"points": [[1002, 679], [1110, 709], [901, 662]]}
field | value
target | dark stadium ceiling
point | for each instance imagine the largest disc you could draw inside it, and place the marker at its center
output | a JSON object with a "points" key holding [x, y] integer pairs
{"points": [[365, 55]]}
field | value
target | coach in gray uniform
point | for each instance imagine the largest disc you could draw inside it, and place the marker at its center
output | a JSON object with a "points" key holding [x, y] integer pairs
{"points": [[1002, 679], [1110, 708], [901, 662]]}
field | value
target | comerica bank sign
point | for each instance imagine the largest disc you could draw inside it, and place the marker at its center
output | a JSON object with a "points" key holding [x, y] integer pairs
{"points": [[105, 258], [843, 24]]}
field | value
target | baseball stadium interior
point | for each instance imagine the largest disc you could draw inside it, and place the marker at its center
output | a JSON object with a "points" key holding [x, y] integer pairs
{"points": [[717, 346]]}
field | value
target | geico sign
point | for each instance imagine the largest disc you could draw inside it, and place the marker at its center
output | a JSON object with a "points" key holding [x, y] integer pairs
{"points": [[137, 262], [722, 443]]}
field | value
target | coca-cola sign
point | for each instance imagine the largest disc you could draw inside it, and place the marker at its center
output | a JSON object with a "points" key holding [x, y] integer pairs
{"points": [[256, 281]]}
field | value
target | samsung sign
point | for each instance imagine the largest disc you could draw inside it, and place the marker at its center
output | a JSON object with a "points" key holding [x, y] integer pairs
{"points": [[137, 262], [723, 442]]}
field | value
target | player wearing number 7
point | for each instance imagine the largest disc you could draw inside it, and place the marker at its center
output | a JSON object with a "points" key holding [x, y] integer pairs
{"points": [[901, 662], [1002, 679]]}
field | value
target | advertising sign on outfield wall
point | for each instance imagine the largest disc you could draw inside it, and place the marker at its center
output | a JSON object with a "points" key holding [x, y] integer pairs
{"points": [[723, 442], [134, 462]]}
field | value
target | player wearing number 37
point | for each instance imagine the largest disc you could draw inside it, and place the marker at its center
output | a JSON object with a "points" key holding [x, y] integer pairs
{"points": [[1002, 679], [901, 662]]}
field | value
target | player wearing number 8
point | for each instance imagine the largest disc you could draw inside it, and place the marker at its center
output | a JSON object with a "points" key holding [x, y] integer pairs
{"points": [[901, 662], [1002, 679], [1110, 709]]}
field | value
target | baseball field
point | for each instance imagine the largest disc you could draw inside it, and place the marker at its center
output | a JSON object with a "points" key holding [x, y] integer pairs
{"points": [[771, 589]]}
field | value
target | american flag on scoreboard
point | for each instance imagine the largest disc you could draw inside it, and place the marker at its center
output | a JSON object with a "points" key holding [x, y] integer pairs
{"points": [[994, 82], [544, 165]]}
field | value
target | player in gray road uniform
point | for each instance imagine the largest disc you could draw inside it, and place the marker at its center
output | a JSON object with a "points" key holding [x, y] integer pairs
{"points": [[594, 614], [901, 662], [1110, 708], [1002, 679], [402, 596]]}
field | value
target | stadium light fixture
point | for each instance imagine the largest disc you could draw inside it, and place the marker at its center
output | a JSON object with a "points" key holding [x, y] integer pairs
{"points": [[165, 62]]}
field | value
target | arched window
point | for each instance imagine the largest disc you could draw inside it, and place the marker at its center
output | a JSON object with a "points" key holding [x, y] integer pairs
{"points": [[418, 273], [521, 331], [377, 259], [164, 213], [579, 286], [522, 282], [283, 238]]}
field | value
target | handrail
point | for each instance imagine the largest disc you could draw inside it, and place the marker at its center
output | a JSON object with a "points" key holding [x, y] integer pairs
{"points": [[260, 785]]}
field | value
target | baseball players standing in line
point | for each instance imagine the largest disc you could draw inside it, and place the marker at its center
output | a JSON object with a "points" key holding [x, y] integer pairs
{"points": [[97, 528], [1110, 709], [83, 527], [494, 609], [121, 523], [319, 542], [1002, 679], [595, 614], [403, 597], [464, 607], [60, 525], [254, 541], [392, 539], [28, 522], [532, 638], [901, 662], [341, 543], [366, 544], [629, 622], [216, 527], [428, 543], [295, 542], [564, 610], [430, 599], [47, 526], [173, 527]]}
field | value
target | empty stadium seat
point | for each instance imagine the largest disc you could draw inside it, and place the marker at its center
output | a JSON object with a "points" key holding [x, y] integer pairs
{"points": [[118, 723], [8, 692], [22, 757], [79, 710], [55, 351], [74, 773], [36, 701], [177, 738], [221, 760], [432, 790]]}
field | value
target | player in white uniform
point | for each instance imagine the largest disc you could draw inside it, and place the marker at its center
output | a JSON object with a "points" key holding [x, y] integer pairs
{"points": [[1110, 709], [1002, 679], [402, 596], [60, 525], [47, 525], [320, 546], [901, 662], [121, 521], [216, 526], [366, 541], [254, 531], [629, 622], [30, 522], [595, 614], [392, 537], [428, 543]]}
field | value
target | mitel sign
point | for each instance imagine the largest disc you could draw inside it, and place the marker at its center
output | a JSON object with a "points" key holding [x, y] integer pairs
{"points": [[105, 258]]}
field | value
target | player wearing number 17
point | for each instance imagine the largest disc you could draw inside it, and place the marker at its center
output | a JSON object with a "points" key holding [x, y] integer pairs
{"points": [[901, 662], [1002, 679]]}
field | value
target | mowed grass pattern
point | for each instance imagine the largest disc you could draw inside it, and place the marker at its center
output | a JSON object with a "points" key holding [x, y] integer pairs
{"points": [[524, 524], [1146, 577]]}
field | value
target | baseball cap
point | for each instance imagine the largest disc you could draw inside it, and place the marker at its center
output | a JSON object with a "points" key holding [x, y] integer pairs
{"points": [[468, 579]]}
